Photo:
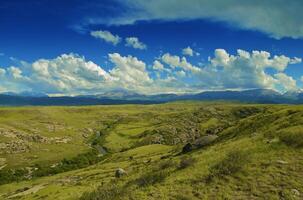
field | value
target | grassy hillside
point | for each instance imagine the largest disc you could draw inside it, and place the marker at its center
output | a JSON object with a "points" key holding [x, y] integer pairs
{"points": [[233, 151]]}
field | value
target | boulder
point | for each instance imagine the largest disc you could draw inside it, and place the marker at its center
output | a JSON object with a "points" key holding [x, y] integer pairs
{"points": [[206, 140], [187, 148], [120, 172]]}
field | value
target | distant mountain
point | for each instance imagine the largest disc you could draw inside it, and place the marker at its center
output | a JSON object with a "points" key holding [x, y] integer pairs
{"points": [[9, 100], [119, 94], [126, 97], [26, 94], [255, 96]]}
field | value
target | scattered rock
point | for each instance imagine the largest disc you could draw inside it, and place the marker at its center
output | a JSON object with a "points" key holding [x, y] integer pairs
{"points": [[120, 172], [2, 161], [3, 166], [187, 148], [86, 132], [199, 143], [205, 140], [58, 140], [13, 147], [282, 162], [295, 192], [213, 131]]}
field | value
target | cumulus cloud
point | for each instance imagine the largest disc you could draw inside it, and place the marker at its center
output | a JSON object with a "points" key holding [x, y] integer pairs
{"points": [[129, 72], [181, 73], [188, 51], [135, 43], [68, 73], [2, 72], [158, 66], [15, 72], [276, 18], [175, 61], [246, 70], [106, 36], [71, 74], [287, 83]]}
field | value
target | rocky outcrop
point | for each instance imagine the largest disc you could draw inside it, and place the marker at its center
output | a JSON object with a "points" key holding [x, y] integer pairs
{"points": [[20, 142], [13, 147], [199, 143]]}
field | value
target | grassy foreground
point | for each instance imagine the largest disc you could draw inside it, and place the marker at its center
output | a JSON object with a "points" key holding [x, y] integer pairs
{"points": [[234, 151]]}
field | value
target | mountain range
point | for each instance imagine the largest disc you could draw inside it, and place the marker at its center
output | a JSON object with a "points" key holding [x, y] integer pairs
{"points": [[126, 97]]}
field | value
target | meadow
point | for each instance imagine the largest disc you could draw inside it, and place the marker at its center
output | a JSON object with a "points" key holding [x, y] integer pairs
{"points": [[180, 150]]}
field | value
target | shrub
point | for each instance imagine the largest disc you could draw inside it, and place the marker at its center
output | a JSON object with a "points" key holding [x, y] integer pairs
{"points": [[10, 175], [231, 164], [152, 178], [167, 164], [77, 162], [186, 162], [293, 139], [108, 192]]}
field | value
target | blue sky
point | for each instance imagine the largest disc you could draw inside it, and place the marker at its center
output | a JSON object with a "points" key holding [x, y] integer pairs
{"points": [[86, 47]]}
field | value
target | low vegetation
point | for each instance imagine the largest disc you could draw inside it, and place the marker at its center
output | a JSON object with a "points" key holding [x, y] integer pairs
{"points": [[183, 150], [229, 165]]}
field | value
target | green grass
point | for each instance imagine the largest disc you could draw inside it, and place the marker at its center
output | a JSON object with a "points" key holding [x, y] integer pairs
{"points": [[258, 154]]}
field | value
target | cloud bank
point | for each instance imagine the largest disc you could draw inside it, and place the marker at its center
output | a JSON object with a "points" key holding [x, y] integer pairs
{"points": [[71, 74]]}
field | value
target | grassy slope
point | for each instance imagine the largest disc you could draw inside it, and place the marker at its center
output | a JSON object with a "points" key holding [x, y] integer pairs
{"points": [[258, 154]]}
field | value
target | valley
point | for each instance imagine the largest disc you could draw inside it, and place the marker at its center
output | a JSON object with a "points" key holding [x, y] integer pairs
{"points": [[177, 150]]}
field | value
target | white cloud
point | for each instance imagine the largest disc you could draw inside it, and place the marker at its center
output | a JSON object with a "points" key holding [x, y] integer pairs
{"points": [[2, 72], [68, 73], [175, 61], [181, 73], [245, 70], [15, 72], [71, 74], [295, 60], [286, 83], [106, 36], [158, 66], [135, 43], [129, 72], [277, 18], [188, 51], [260, 59]]}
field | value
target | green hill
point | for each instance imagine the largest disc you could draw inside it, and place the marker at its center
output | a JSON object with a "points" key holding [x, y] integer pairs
{"points": [[186, 150]]}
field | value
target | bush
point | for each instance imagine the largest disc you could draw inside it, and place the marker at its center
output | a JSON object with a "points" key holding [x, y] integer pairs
{"points": [[293, 139], [152, 178], [77, 162], [108, 192], [186, 162], [167, 164], [10, 175], [231, 164]]}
